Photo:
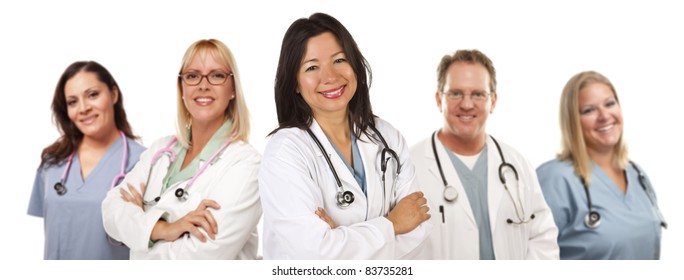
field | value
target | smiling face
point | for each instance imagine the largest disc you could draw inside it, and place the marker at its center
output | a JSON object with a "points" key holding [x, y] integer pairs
{"points": [[90, 105], [325, 78], [207, 102], [600, 117], [465, 119]]}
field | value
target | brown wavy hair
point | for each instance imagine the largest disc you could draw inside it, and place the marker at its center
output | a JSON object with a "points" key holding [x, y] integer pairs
{"points": [[71, 137]]}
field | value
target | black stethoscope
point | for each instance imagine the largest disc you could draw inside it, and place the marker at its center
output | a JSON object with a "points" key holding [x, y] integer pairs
{"points": [[180, 193], [593, 219], [60, 187], [451, 194], [346, 198]]}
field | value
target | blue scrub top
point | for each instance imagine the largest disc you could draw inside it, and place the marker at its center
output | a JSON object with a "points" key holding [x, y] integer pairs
{"points": [[73, 222], [630, 226]]}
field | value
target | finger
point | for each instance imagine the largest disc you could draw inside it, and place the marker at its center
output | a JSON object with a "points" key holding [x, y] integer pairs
{"points": [[421, 201], [212, 222], [124, 194], [199, 220], [142, 188], [135, 194], [197, 233], [208, 203], [415, 195]]}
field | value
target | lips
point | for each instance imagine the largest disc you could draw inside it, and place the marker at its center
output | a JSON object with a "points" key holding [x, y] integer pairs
{"points": [[88, 120], [605, 127], [465, 117], [333, 93], [204, 100]]}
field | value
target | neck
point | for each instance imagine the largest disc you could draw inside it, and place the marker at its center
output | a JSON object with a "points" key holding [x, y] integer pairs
{"points": [[201, 134], [465, 147], [604, 159], [99, 143], [337, 127]]}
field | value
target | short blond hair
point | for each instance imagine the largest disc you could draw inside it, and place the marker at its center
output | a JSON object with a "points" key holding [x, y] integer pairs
{"points": [[573, 144], [237, 110]]}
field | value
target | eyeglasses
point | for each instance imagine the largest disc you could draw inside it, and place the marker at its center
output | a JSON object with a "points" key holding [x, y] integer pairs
{"points": [[475, 96], [214, 77]]}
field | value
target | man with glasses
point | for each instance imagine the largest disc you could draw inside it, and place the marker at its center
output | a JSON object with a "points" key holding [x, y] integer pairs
{"points": [[486, 202]]}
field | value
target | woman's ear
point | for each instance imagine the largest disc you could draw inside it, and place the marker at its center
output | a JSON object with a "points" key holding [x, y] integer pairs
{"points": [[115, 95]]}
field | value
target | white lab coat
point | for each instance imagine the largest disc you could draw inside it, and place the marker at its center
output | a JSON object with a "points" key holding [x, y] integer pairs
{"points": [[457, 237], [295, 179], [231, 181]]}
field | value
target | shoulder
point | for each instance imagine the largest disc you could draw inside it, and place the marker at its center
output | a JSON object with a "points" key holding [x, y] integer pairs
{"points": [[384, 126], [393, 137], [242, 150], [419, 148], [161, 142], [511, 154], [556, 168], [135, 147], [287, 138]]}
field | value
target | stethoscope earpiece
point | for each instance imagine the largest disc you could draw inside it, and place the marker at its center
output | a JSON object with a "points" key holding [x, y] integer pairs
{"points": [[592, 220], [60, 188], [345, 198]]}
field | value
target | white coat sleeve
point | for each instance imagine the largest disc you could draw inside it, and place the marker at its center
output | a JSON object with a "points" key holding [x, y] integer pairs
{"points": [[290, 197], [236, 190], [543, 235], [124, 221], [408, 244]]}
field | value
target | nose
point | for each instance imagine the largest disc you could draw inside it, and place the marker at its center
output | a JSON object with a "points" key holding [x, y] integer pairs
{"points": [[466, 102], [204, 83], [603, 114], [83, 106], [328, 74]]}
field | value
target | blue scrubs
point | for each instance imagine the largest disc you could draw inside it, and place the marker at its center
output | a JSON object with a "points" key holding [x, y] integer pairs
{"points": [[475, 184], [73, 222], [630, 225]]}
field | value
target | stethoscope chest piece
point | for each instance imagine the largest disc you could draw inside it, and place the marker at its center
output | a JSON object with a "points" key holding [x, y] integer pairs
{"points": [[60, 188], [181, 194], [345, 198], [592, 220], [450, 194]]}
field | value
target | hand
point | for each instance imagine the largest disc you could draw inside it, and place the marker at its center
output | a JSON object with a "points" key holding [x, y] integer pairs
{"points": [[200, 217], [324, 216], [132, 195], [410, 212]]}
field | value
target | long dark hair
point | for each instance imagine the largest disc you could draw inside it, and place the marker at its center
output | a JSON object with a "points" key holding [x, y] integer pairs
{"points": [[291, 107], [71, 135]]}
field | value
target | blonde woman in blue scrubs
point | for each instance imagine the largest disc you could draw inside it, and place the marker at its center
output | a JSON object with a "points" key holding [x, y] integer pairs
{"points": [[603, 203]]}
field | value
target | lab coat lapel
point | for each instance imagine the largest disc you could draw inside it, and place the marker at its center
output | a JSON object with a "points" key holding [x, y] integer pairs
{"points": [[370, 152], [495, 189], [450, 174]]}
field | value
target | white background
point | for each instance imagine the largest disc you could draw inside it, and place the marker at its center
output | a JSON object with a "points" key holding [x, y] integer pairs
{"points": [[535, 46]]}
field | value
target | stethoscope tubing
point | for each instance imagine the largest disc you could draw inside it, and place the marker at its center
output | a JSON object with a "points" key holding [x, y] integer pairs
{"points": [[180, 193], [520, 212], [345, 198], [593, 218], [60, 187]]}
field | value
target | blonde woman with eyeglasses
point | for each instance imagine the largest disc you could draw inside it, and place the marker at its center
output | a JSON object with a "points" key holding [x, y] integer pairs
{"points": [[194, 195]]}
